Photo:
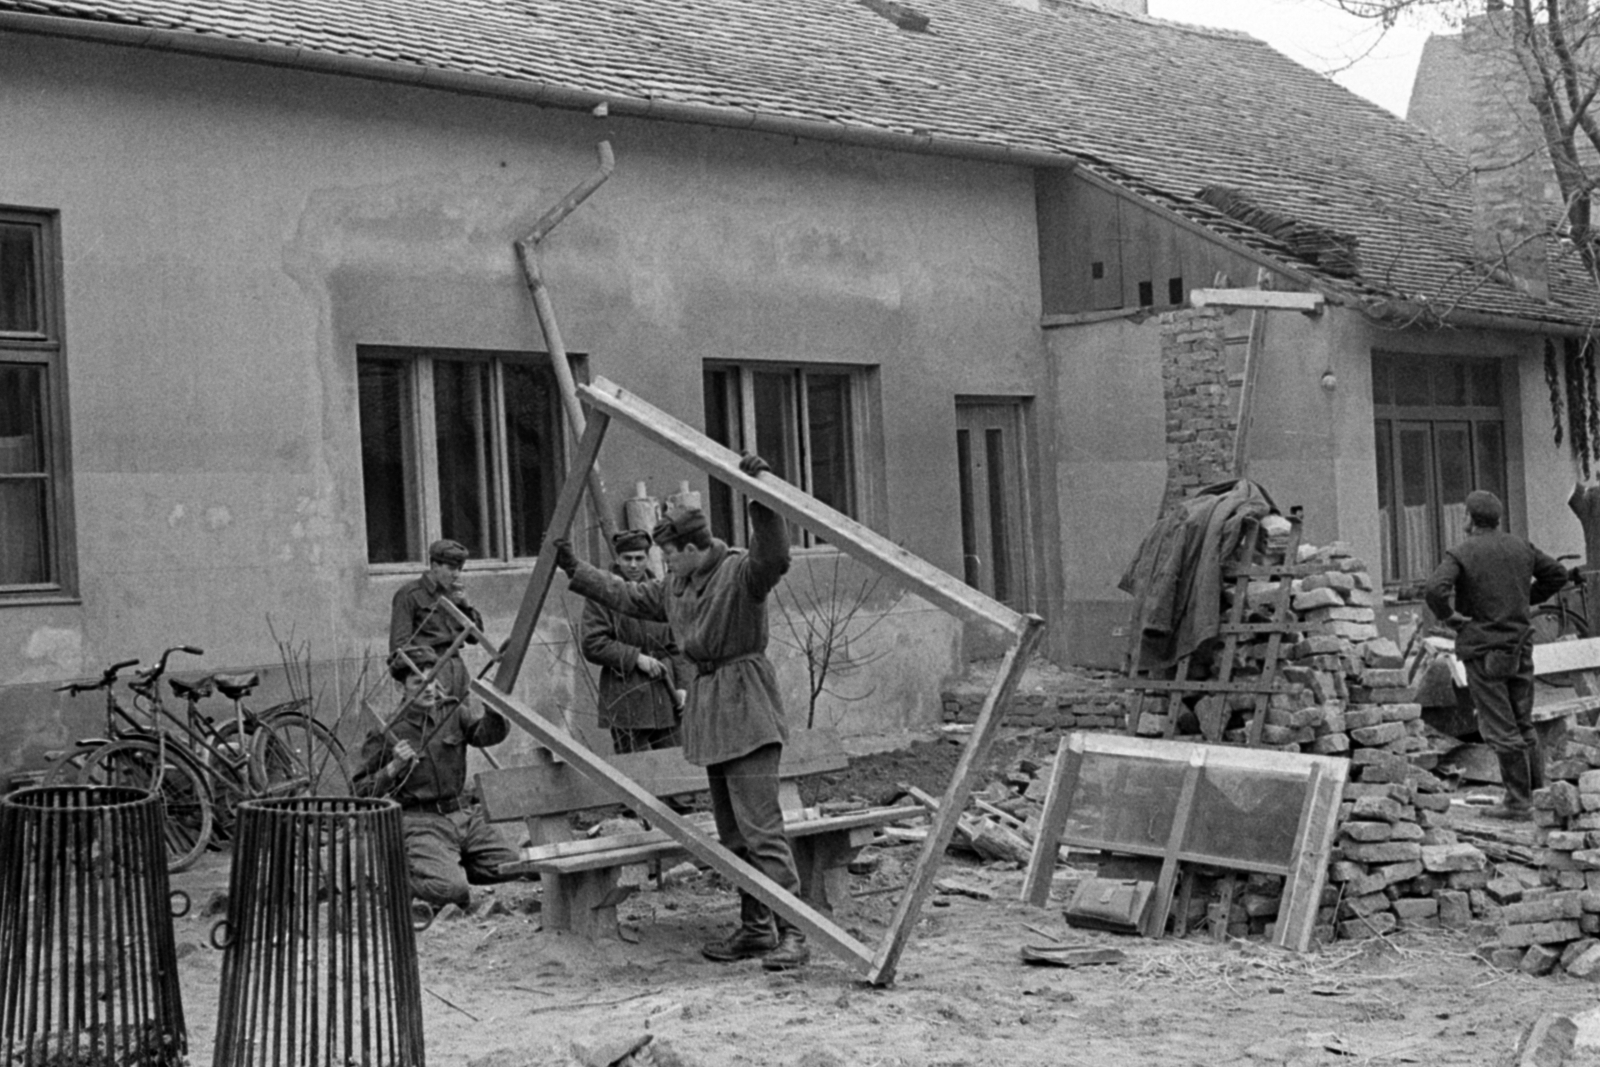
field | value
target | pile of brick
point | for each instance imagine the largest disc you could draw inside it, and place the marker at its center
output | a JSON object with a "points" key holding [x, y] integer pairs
{"points": [[1549, 916], [1397, 867]]}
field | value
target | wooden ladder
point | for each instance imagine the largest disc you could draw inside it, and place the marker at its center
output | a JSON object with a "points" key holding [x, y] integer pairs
{"points": [[1261, 564]]}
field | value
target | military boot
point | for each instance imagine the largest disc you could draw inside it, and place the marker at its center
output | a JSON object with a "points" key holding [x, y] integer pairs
{"points": [[1517, 774], [755, 936], [791, 952]]}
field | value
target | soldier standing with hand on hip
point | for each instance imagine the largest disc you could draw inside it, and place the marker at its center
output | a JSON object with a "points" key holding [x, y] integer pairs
{"points": [[715, 599], [1493, 577]]}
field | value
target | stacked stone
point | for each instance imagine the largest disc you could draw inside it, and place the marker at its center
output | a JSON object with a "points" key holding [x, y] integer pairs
{"points": [[1396, 868], [1097, 709], [1549, 918]]}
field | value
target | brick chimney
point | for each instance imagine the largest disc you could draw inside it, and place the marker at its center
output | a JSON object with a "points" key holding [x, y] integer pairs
{"points": [[1471, 94]]}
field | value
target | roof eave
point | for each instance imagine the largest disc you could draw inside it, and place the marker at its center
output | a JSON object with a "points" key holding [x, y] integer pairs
{"points": [[541, 93], [1421, 314]]}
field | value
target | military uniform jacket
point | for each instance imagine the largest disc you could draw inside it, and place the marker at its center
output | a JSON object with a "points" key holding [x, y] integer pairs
{"points": [[719, 617], [415, 621], [1493, 576], [440, 772], [629, 698]]}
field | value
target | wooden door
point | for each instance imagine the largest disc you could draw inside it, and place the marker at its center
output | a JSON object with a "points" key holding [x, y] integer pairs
{"points": [[994, 520]]}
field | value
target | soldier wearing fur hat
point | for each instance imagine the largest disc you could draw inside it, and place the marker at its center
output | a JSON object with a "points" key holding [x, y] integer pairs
{"points": [[1483, 591], [417, 622], [641, 693], [715, 599]]}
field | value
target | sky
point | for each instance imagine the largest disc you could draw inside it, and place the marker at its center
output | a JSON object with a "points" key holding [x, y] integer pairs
{"points": [[1379, 66]]}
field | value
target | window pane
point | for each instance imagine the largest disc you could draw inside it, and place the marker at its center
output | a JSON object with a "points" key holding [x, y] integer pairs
{"points": [[1453, 442], [1450, 383], [1485, 383], [463, 411], [776, 439], [832, 458], [1415, 540], [971, 563], [533, 452], [22, 431], [1491, 461], [1411, 383], [999, 528], [388, 442], [19, 278], [720, 389], [1382, 381], [24, 531], [1386, 498]]}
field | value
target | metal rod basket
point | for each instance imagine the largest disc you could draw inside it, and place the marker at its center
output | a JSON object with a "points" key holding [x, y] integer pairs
{"points": [[320, 957], [88, 965]]}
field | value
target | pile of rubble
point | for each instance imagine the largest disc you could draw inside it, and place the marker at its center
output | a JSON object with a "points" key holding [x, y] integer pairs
{"points": [[1549, 914]]}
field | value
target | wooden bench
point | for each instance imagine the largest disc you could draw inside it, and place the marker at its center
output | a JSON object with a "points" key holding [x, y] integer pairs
{"points": [[585, 879]]}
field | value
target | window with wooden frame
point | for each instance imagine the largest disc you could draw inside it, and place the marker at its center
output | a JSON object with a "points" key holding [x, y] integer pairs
{"points": [[459, 444], [1440, 433], [37, 558], [804, 419]]}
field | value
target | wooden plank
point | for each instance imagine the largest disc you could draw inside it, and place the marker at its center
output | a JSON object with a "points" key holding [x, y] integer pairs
{"points": [[1302, 889], [954, 801], [624, 791], [568, 501], [1053, 820], [550, 789], [1158, 686], [1161, 904], [1256, 299], [1561, 709], [861, 542], [1559, 657]]}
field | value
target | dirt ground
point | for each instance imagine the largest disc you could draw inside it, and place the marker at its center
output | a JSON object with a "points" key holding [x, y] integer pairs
{"points": [[502, 992]]}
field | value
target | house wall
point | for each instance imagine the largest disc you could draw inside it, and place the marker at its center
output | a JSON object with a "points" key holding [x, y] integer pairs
{"points": [[231, 233]]}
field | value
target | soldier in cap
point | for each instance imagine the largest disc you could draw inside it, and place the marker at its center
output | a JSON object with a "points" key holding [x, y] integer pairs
{"points": [[715, 599], [641, 694], [1483, 591], [417, 622], [420, 760]]}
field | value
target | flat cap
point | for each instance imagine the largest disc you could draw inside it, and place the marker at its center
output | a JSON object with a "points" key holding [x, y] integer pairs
{"points": [[1484, 508], [630, 541], [447, 551]]}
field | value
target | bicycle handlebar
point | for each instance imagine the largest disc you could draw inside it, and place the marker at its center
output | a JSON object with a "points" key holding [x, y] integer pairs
{"points": [[147, 678], [106, 679]]}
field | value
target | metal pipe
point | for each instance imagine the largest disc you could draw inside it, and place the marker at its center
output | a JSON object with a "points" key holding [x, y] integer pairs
{"points": [[527, 255]]}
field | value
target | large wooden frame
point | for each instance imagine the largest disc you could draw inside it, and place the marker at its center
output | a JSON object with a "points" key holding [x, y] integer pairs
{"points": [[1303, 861], [607, 401]]}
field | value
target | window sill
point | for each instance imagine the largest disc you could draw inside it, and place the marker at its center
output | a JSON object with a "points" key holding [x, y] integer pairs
{"points": [[39, 600], [411, 570]]}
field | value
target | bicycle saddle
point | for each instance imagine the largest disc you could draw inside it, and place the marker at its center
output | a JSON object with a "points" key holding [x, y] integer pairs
{"points": [[191, 689], [234, 686]]}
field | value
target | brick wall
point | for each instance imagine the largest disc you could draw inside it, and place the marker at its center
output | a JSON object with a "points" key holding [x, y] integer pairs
{"points": [[1201, 411]]}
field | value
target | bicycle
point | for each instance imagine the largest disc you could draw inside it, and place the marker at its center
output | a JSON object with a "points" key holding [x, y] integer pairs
{"points": [[139, 756], [1567, 615]]}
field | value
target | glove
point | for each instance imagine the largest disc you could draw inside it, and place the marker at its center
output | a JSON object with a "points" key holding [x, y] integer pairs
{"points": [[566, 559], [752, 464]]}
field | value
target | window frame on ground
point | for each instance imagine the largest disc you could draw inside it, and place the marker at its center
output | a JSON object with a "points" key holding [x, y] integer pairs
{"points": [[813, 422], [508, 450], [38, 558], [1439, 426]]}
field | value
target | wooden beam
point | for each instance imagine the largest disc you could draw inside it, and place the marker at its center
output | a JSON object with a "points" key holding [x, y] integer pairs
{"points": [[1256, 300], [544, 568], [624, 791], [1559, 657], [862, 543], [954, 801]]}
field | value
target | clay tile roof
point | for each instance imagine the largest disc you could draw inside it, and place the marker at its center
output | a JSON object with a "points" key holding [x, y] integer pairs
{"points": [[1166, 109]]}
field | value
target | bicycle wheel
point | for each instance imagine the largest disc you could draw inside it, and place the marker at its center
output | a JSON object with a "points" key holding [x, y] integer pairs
{"points": [[228, 771], [182, 786], [1553, 622], [66, 769], [295, 754]]}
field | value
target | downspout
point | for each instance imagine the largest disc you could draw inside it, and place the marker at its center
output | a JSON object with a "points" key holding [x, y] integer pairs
{"points": [[527, 255]]}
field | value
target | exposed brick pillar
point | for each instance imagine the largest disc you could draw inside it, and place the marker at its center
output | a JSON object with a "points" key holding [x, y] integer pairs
{"points": [[1201, 418]]}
